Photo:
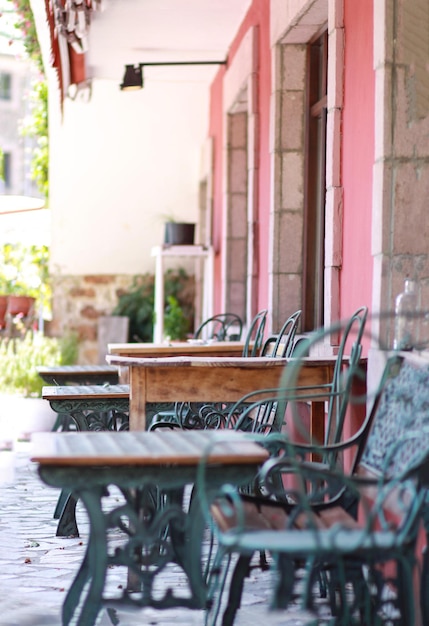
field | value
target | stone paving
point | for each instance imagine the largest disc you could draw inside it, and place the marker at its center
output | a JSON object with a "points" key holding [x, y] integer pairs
{"points": [[37, 568]]}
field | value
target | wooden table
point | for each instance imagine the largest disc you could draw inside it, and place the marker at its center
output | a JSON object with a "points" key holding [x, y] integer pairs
{"points": [[215, 379], [140, 464], [79, 374], [178, 348], [172, 349]]}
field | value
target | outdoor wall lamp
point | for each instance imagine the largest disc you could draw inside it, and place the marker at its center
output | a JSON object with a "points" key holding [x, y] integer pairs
{"points": [[133, 77]]}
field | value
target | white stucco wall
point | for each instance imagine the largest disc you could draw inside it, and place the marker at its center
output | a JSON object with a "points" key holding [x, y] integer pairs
{"points": [[118, 163]]}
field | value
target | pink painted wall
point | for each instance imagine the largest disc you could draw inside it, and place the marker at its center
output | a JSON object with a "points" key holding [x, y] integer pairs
{"points": [[258, 15], [357, 155]]}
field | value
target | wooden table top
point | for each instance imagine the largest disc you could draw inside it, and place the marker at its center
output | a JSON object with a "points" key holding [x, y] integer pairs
{"points": [[71, 392], [79, 374], [192, 348], [144, 448], [77, 369], [215, 361], [197, 361]]}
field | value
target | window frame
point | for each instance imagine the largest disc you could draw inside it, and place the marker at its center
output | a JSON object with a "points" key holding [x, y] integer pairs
{"points": [[315, 182]]}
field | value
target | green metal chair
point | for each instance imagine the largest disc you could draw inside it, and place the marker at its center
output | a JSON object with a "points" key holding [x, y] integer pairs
{"points": [[389, 443], [353, 554], [262, 413], [337, 392], [255, 334], [316, 527], [283, 344], [221, 327], [263, 419]]}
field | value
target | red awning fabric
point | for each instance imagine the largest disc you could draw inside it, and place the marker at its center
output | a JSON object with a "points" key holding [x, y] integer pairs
{"points": [[68, 51]]}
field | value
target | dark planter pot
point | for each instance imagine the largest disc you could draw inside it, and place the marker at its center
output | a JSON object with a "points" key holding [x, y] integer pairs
{"points": [[179, 234]]}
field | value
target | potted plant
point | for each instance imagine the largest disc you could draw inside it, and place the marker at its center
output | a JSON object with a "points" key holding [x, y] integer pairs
{"points": [[23, 409], [137, 303], [24, 280], [178, 233]]}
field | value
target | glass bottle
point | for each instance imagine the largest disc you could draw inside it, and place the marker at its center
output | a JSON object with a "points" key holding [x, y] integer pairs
{"points": [[406, 317]]}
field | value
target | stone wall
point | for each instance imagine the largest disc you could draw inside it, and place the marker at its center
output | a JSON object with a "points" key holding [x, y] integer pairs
{"points": [[401, 170], [78, 303]]}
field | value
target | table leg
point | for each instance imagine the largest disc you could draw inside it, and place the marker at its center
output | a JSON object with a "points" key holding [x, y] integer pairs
{"points": [[94, 566], [67, 525], [138, 388]]}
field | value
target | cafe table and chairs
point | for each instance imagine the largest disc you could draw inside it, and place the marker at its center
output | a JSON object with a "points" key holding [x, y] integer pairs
{"points": [[133, 531], [157, 382]]}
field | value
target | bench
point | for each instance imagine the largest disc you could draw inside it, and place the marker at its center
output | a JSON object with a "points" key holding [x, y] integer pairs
{"points": [[342, 522]]}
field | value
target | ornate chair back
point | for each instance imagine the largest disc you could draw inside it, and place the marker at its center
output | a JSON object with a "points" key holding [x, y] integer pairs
{"points": [[282, 344], [222, 327], [255, 334]]}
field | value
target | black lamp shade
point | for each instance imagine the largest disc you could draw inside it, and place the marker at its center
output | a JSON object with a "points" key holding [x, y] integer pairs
{"points": [[133, 78]]}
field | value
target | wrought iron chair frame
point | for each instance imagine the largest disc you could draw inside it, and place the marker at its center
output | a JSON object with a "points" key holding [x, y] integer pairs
{"points": [[219, 326], [343, 548], [186, 414], [378, 440]]}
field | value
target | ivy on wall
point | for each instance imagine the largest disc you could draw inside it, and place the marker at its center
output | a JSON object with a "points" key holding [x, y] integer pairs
{"points": [[28, 34], [37, 125]]}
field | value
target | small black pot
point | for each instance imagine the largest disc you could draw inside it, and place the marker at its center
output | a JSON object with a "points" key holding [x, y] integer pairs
{"points": [[179, 234]]}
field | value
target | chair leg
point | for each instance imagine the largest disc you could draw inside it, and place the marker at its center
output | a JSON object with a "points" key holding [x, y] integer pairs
{"points": [[424, 584], [216, 584], [283, 591], [241, 571], [405, 589]]}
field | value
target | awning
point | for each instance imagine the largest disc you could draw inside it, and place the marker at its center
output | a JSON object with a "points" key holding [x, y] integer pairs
{"points": [[69, 22], [24, 220], [17, 204]]}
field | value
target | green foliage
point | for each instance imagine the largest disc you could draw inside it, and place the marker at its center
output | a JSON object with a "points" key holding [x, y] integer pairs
{"points": [[24, 271], [27, 28], [19, 359], [176, 324], [138, 302], [36, 126], [137, 305], [69, 348]]}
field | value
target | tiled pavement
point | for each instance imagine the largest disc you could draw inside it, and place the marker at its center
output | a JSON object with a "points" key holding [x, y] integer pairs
{"points": [[36, 567]]}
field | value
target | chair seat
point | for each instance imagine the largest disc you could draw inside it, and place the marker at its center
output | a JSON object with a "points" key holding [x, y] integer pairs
{"points": [[257, 515], [336, 540]]}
